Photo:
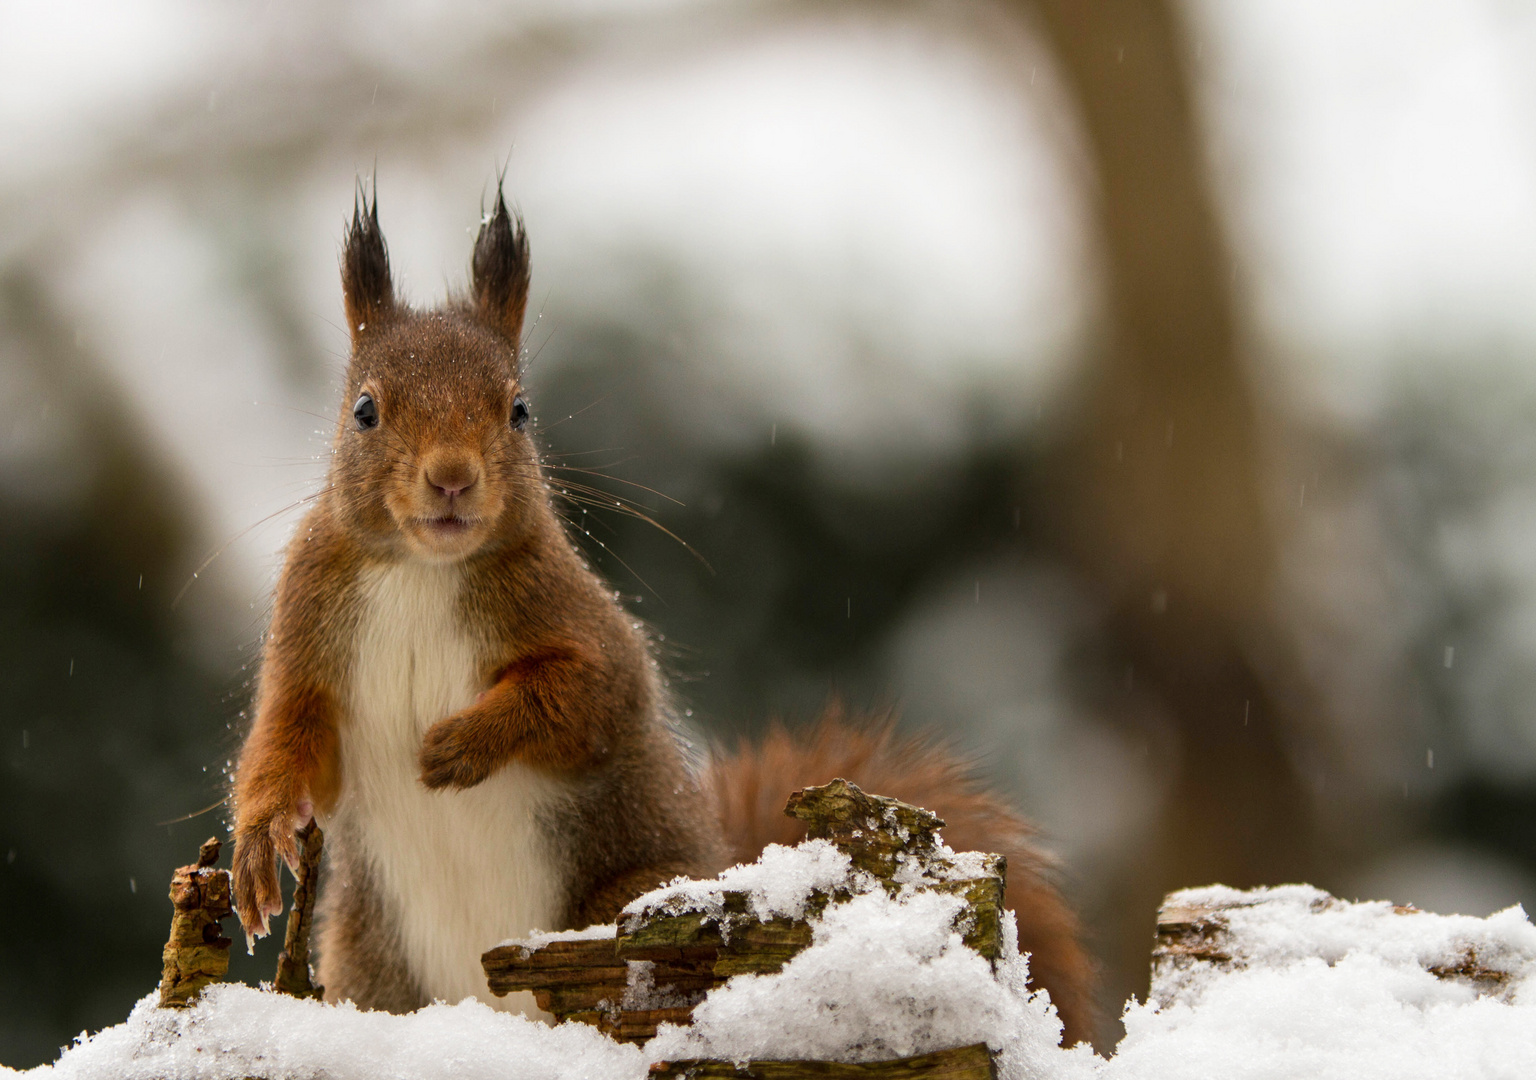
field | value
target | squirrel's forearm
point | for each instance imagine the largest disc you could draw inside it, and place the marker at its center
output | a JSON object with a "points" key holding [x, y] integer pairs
{"points": [[552, 708], [291, 753], [559, 707]]}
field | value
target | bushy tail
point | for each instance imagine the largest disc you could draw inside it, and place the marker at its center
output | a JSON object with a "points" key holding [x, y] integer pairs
{"points": [[751, 785]]}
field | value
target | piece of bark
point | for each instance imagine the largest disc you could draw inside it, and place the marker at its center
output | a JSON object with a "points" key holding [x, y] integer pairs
{"points": [[962, 1063], [293, 974], [872, 829], [197, 952], [587, 981]]}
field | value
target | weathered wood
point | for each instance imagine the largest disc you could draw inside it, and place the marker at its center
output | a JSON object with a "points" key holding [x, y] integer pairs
{"points": [[981, 923], [514, 967], [662, 961], [588, 982], [293, 974], [962, 1063], [197, 952], [872, 829], [881, 836], [1193, 938], [732, 938]]}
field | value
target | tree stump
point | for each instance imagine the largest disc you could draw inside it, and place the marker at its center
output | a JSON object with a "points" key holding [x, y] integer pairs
{"points": [[197, 952]]}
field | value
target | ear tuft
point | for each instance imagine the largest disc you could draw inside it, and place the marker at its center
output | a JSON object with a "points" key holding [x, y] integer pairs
{"points": [[365, 280], [500, 271]]}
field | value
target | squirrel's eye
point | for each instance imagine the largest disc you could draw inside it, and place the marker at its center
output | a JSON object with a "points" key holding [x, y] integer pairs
{"points": [[366, 413], [519, 414]]}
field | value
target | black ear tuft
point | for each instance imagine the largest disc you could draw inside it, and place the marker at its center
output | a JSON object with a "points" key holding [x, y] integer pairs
{"points": [[500, 272], [365, 281]]}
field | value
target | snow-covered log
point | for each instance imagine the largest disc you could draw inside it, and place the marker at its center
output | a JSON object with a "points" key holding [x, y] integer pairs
{"points": [[1203, 934], [672, 946], [1268, 984]]}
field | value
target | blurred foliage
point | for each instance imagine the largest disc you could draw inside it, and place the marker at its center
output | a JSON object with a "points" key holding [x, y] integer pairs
{"points": [[110, 727], [794, 570]]}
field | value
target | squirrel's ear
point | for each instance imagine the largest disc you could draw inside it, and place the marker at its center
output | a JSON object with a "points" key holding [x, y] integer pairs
{"points": [[499, 271], [365, 281]]}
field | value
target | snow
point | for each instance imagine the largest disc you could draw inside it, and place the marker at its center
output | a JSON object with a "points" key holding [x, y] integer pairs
{"points": [[540, 938], [1361, 1018], [885, 976], [778, 885], [1317, 988], [1324, 988], [943, 865], [783, 880], [237, 1031], [1280, 927]]}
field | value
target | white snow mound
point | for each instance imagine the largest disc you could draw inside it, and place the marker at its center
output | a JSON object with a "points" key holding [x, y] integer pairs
{"points": [[1319, 989], [236, 1031], [885, 976], [778, 885]]}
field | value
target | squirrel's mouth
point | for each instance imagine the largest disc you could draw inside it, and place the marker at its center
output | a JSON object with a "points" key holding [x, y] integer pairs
{"points": [[450, 525]]}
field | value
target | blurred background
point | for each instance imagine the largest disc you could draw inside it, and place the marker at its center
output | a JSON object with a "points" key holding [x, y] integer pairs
{"points": [[1140, 393]]}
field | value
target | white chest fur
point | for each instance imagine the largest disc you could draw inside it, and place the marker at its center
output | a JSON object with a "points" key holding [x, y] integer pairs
{"points": [[461, 870]]}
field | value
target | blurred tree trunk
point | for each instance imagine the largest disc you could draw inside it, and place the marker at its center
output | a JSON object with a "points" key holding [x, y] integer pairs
{"points": [[1157, 491]]}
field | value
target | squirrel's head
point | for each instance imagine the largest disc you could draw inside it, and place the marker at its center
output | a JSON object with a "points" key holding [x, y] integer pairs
{"points": [[433, 456]]}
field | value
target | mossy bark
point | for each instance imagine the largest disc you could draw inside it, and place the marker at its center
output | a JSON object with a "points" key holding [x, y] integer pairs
{"points": [[661, 963]]}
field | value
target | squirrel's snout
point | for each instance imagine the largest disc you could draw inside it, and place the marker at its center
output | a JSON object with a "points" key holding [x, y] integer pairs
{"points": [[452, 476]]}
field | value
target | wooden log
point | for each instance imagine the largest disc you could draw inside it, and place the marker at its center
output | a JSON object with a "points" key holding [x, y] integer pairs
{"points": [[197, 952], [731, 938], [588, 982], [639, 1025], [1195, 937], [293, 973], [881, 836], [661, 961], [962, 1063], [515, 966]]}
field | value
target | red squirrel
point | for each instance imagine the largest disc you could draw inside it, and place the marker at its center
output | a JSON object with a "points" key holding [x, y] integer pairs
{"points": [[478, 723]]}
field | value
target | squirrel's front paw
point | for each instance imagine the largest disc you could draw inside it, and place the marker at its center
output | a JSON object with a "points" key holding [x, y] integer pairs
{"points": [[451, 757], [258, 843]]}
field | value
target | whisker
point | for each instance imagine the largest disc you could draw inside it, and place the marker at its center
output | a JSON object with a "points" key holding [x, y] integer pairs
{"points": [[617, 480], [574, 415], [243, 532], [195, 813], [601, 500], [610, 551], [331, 420], [581, 453], [527, 361]]}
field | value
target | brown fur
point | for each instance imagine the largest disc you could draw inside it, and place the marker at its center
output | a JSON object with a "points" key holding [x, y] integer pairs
{"points": [[750, 787], [568, 685], [360, 955]]}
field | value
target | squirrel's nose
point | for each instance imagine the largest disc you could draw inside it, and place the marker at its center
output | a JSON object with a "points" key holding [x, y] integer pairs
{"points": [[452, 477]]}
